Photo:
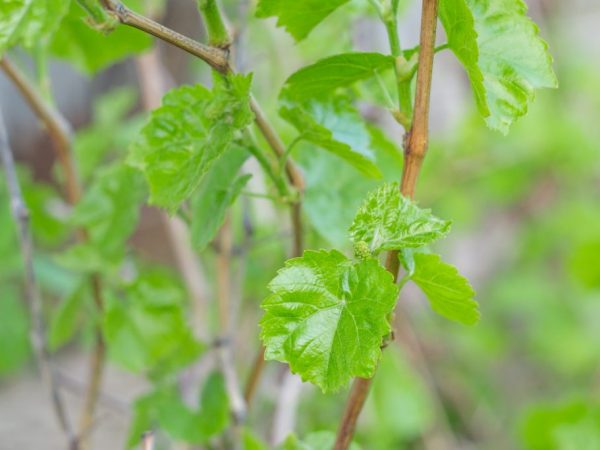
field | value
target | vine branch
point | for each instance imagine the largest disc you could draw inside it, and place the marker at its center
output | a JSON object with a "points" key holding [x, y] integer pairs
{"points": [[415, 147], [58, 128], [217, 58], [38, 342], [61, 136]]}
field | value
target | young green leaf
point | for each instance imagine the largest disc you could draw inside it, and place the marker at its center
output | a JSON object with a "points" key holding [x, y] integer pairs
{"points": [[300, 16], [214, 406], [336, 71], [88, 49], [165, 408], [505, 58], [334, 126], [318, 440], [462, 39], [28, 22], [64, 321], [327, 317], [185, 136], [334, 190], [147, 329], [14, 330], [109, 210], [389, 221], [251, 442], [216, 193], [109, 133], [449, 293]]}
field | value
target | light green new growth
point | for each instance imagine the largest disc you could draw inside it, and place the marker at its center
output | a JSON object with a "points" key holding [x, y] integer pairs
{"points": [[388, 221], [327, 317], [185, 136]]}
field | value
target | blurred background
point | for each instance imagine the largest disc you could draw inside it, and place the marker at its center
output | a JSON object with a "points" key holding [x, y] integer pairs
{"points": [[526, 214]]}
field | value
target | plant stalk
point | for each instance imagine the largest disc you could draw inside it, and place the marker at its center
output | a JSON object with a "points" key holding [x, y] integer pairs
{"points": [[416, 141], [218, 36]]}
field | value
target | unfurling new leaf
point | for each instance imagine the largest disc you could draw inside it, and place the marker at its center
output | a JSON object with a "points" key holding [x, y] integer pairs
{"points": [[389, 221], [327, 316], [185, 136]]}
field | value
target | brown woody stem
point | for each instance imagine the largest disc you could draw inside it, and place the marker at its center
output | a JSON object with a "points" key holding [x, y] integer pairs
{"points": [[415, 147], [215, 57]]}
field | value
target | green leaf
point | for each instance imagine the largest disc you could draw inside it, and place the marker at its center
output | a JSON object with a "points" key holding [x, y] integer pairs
{"points": [[110, 132], [251, 442], [462, 40], [505, 58], [164, 408], [448, 292], [14, 330], [318, 440], [389, 221], [28, 22], [567, 425], [147, 329], [65, 318], [334, 189], [216, 193], [298, 17], [397, 387], [214, 407], [336, 127], [185, 136], [109, 210], [336, 71], [583, 263], [327, 317], [88, 49]]}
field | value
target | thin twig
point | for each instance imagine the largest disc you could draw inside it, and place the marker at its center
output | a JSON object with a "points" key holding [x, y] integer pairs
{"points": [[215, 57], [61, 136], [237, 404], [416, 141], [154, 84], [76, 387], [148, 440], [58, 128], [286, 408], [34, 300], [219, 60]]}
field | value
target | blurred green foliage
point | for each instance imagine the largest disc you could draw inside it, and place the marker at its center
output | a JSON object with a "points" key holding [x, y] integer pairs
{"points": [[526, 205]]}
